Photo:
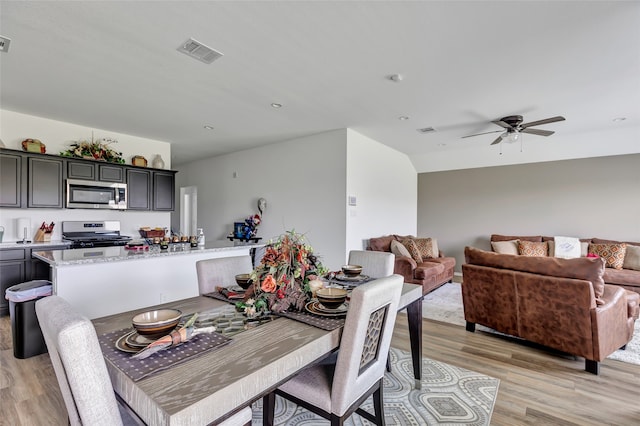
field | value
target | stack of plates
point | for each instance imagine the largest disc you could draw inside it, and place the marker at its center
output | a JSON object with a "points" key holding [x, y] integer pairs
{"points": [[317, 308]]}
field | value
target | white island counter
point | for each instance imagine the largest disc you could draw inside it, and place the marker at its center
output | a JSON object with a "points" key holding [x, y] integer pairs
{"points": [[109, 280]]}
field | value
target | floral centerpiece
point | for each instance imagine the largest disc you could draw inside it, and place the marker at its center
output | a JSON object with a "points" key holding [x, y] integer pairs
{"points": [[94, 150], [284, 278]]}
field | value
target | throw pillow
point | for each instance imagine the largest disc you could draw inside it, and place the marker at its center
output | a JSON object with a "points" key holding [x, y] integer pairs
{"points": [[632, 258], [566, 247], [613, 254], [428, 247], [413, 249], [505, 247], [399, 250], [529, 248]]}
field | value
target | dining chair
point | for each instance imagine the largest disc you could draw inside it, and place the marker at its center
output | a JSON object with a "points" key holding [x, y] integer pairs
{"points": [[221, 272], [81, 371], [375, 264], [335, 390]]}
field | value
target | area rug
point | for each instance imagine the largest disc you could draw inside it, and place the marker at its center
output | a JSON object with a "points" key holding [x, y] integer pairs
{"points": [[445, 304], [449, 395]]}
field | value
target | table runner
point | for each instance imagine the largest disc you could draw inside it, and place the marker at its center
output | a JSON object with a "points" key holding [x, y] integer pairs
{"points": [[138, 369], [220, 296]]}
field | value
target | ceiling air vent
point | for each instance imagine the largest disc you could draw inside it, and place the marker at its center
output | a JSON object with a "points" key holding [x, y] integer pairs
{"points": [[4, 44], [426, 130], [197, 50]]}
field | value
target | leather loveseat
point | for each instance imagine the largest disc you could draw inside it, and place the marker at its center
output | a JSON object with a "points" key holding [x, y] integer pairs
{"points": [[563, 304], [430, 273], [627, 275]]}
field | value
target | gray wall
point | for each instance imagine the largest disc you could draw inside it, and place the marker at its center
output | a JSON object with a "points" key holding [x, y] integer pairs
{"points": [[595, 197]]}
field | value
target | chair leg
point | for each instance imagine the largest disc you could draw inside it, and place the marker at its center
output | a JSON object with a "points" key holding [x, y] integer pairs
{"points": [[592, 367], [388, 364], [378, 405], [268, 409], [336, 420], [623, 347], [471, 326]]}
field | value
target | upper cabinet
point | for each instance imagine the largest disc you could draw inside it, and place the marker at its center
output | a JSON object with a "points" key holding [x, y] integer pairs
{"points": [[31, 180]]}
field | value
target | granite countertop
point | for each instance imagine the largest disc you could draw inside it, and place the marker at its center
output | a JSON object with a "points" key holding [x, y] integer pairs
{"points": [[33, 244], [118, 254]]}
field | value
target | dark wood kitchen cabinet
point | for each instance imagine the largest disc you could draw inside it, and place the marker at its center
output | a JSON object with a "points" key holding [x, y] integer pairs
{"points": [[138, 189], [89, 170], [163, 191], [44, 182], [10, 180]]}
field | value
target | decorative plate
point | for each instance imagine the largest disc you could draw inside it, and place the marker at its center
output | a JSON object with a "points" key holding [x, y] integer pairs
{"points": [[135, 340], [358, 278], [316, 308], [122, 345]]}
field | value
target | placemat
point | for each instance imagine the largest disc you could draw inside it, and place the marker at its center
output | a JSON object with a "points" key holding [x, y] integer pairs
{"points": [[220, 296], [324, 323], [137, 369], [352, 283]]}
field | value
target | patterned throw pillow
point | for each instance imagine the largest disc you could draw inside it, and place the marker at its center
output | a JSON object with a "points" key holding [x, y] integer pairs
{"points": [[428, 247], [413, 249], [613, 254], [529, 248]]}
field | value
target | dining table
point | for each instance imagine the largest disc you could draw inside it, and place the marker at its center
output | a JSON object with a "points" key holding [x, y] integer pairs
{"points": [[211, 386]]}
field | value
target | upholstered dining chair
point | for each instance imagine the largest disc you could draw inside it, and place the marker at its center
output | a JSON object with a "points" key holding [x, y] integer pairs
{"points": [[335, 390], [221, 272], [81, 371], [376, 264]]}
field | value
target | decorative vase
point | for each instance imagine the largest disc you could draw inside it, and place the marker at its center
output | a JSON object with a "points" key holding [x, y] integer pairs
{"points": [[158, 162]]}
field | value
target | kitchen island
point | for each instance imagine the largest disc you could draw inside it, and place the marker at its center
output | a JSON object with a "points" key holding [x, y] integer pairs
{"points": [[109, 280]]}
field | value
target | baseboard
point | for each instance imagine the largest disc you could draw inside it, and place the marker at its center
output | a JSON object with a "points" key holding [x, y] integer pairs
{"points": [[457, 277]]}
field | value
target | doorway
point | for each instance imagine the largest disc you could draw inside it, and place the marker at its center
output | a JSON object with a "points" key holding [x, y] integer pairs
{"points": [[188, 210]]}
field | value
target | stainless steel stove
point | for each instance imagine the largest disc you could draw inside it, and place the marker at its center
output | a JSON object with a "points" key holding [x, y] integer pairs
{"points": [[89, 234]]}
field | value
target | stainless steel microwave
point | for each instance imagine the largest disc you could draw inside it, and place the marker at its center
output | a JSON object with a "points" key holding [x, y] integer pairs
{"points": [[88, 194]]}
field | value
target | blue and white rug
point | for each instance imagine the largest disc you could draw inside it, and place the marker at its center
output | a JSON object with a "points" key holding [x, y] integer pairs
{"points": [[449, 395]]}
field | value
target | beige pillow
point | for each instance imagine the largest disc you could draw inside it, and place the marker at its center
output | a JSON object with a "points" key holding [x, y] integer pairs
{"points": [[413, 249], [399, 250], [632, 258], [428, 247], [505, 247], [529, 248]]}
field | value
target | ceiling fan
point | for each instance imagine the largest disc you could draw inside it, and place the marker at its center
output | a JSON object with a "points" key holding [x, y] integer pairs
{"points": [[513, 127]]}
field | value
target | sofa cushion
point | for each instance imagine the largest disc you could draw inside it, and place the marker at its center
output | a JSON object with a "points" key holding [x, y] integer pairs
{"points": [[447, 262], [566, 247], [498, 237], [428, 247], [381, 243], [583, 268], [613, 254], [399, 250], [426, 270], [601, 241], [632, 258], [623, 277], [413, 249], [530, 248], [505, 247]]}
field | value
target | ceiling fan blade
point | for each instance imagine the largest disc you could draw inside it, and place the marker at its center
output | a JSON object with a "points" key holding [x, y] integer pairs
{"points": [[502, 124], [478, 134], [539, 122], [497, 141], [538, 132]]}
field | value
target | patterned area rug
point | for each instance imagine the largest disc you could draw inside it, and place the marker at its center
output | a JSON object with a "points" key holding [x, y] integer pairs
{"points": [[449, 395], [445, 304]]}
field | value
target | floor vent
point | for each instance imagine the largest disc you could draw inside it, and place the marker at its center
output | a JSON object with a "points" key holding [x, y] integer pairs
{"points": [[199, 51]]}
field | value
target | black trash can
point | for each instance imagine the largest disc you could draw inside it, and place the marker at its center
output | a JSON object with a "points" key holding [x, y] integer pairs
{"points": [[27, 336]]}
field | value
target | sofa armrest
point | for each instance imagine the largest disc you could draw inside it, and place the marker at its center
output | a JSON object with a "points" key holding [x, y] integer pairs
{"points": [[610, 331], [405, 266]]}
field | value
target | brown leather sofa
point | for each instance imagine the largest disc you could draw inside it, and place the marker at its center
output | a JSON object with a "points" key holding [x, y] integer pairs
{"points": [[563, 304], [627, 278], [430, 274]]}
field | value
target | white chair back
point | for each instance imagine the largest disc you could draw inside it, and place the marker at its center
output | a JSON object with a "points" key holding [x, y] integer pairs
{"points": [[78, 363], [376, 264], [221, 272]]}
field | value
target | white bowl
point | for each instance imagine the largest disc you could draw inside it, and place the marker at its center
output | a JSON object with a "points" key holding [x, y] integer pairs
{"points": [[157, 322]]}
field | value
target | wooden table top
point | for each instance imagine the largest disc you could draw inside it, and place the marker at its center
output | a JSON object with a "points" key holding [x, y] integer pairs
{"points": [[211, 385]]}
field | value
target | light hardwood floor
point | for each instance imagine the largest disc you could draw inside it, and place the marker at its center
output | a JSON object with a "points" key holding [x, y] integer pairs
{"points": [[536, 387]]}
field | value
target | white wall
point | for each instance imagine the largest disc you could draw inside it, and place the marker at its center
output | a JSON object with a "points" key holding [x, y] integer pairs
{"points": [[385, 185], [303, 181], [56, 135]]}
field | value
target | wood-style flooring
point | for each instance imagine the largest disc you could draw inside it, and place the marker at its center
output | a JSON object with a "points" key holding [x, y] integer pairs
{"points": [[537, 387]]}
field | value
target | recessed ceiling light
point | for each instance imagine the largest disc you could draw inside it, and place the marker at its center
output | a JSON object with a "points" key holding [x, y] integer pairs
{"points": [[395, 78], [426, 130], [403, 118], [619, 119], [276, 105], [208, 127], [442, 144]]}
